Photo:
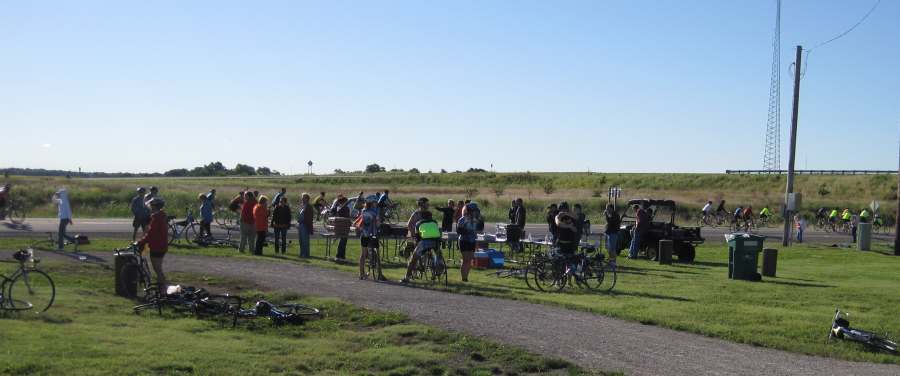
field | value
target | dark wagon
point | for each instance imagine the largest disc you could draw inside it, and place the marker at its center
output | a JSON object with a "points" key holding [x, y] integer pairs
{"points": [[662, 227]]}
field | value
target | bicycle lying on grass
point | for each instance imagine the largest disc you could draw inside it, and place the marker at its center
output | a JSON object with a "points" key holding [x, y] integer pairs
{"points": [[27, 289], [199, 302], [840, 328]]}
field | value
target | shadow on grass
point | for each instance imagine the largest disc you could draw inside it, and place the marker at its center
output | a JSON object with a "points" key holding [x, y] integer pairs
{"points": [[648, 295], [712, 264], [795, 284]]}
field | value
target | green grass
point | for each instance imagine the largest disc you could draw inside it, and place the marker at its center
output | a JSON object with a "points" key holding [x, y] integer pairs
{"points": [[791, 312], [110, 197], [91, 331]]}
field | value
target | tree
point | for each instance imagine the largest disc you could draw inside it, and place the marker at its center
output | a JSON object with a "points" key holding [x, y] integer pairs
{"points": [[198, 171], [338, 171], [264, 171], [473, 169], [215, 169], [242, 169], [178, 172], [443, 171], [414, 170], [374, 168]]}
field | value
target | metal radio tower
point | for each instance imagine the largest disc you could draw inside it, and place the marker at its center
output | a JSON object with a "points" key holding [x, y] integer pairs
{"points": [[772, 157]]}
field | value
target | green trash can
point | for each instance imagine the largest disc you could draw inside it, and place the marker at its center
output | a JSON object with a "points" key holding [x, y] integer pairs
{"points": [[743, 255]]}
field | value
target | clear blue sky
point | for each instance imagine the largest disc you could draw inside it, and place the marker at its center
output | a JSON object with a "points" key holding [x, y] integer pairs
{"points": [[632, 86]]}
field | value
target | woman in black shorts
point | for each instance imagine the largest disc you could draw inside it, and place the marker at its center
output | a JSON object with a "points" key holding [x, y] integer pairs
{"points": [[467, 228]]}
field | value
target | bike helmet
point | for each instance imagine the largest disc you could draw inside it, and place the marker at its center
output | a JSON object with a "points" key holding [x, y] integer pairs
{"points": [[263, 308], [141, 190], [563, 205], [422, 200]]}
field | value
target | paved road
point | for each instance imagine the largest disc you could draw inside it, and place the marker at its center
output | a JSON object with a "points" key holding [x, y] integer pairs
{"points": [[592, 341], [121, 228]]}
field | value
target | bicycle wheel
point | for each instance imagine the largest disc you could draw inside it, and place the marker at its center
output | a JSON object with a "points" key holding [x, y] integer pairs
{"points": [[373, 263], [883, 344], [534, 267], [298, 309], [32, 286], [551, 276], [17, 214], [134, 282], [173, 233], [593, 274], [440, 269], [191, 232]]}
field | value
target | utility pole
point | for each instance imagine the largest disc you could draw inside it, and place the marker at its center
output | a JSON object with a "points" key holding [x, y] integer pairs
{"points": [[788, 217]]}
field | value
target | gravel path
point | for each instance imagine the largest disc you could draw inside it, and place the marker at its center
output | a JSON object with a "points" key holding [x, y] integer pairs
{"points": [[586, 339]]}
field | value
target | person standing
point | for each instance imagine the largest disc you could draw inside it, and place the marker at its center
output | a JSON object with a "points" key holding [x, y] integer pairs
{"points": [[154, 193], [207, 207], [640, 228], [157, 237], [281, 223], [521, 214], [613, 222], [447, 219], [516, 226], [248, 230], [261, 223], [368, 231], [343, 211], [511, 214], [320, 204], [64, 213], [305, 216], [459, 210], [580, 220], [551, 223], [140, 212], [567, 236], [278, 196], [467, 228], [800, 223], [854, 224]]}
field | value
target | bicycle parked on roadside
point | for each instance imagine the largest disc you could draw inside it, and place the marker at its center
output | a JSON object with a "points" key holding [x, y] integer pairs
{"points": [[28, 288], [186, 229]]}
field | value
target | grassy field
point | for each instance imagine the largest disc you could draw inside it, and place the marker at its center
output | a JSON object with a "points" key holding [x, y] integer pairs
{"points": [[791, 312], [110, 197], [91, 331]]}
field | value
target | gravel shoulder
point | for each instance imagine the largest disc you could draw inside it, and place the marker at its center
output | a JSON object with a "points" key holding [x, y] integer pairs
{"points": [[589, 340]]}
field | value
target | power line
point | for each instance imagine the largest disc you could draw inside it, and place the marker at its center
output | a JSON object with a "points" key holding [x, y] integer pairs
{"points": [[839, 36]]}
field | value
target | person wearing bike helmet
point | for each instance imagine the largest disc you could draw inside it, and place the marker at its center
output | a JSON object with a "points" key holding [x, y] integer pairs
{"points": [[467, 229], [416, 216], [140, 212], [368, 223], [207, 208], [428, 236], [154, 192], [157, 238]]}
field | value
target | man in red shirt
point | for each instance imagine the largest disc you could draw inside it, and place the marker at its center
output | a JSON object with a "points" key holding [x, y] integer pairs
{"points": [[642, 224], [157, 238], [248, 230]]}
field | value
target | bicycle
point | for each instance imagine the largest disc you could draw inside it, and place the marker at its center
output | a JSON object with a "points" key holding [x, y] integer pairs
{"points": [[840, 328], [432, 265], [188, 229], [278, 314], [28, 288], [709, 220], [135, 274], [226, 218], [391, 213], [373, 261], [14, 211], [550, 272], [592, 271]]}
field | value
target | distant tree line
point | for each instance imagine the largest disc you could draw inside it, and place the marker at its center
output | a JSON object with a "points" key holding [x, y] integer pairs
{"points": [[375, 168], [211, 169]]}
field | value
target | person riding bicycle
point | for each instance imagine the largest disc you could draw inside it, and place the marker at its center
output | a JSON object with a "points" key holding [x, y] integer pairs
{"points": [[368, 224], [747, 215], [721, 209], [157, 238], [706, 210], [428, 234], [738, 214], [765, 213], [864, 216], [846, 216]]}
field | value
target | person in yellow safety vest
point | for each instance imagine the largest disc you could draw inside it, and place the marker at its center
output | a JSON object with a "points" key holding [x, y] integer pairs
{"points": [[764, 213], [845, 216], [864, 216], [833, 215], [428, 232]]}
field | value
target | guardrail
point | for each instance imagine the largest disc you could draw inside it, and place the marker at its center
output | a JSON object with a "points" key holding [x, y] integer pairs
{"points": [[810, 172]]}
